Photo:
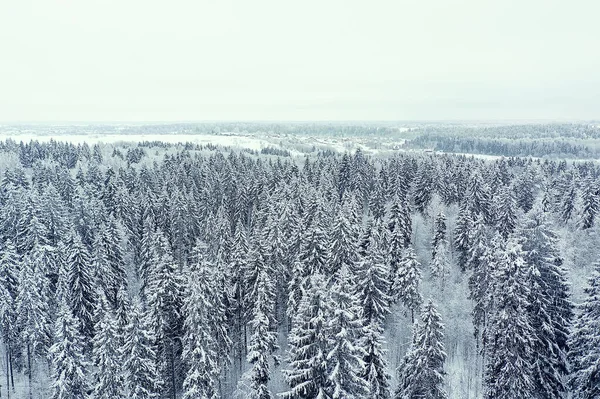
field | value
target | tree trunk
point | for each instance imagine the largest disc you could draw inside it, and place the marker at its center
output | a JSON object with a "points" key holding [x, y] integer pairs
{"points": [[29, 369], [12, 375], [7, 372], [172, 354]]}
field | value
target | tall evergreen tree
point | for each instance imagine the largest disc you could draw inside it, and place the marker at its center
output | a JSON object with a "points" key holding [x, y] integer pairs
{"points": [[421, 372], [509, 370], [590, 204], [307, 373], [32, 315], [407, 281], [506, 217], [345, 356], [584, 343], [107, 355], [68, 361], [263, 341], [549, 308], [81, 290], [200, 346], [165, 299], [142, 377]]}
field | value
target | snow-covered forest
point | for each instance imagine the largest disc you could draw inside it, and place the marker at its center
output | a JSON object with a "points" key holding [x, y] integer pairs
{"points": [[157, 270]]}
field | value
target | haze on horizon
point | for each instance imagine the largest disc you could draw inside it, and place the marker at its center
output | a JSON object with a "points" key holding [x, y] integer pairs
{"points": [[150, 60]]}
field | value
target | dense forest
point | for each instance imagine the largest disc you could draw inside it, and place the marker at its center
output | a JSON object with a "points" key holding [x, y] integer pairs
{"points": [[575, 141], [158, 270]]}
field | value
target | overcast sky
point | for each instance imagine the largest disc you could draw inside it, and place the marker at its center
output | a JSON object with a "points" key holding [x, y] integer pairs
{"points": [[168, 60]]}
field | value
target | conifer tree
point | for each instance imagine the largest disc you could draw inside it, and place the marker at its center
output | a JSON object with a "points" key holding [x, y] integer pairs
{"points": [[142, 377], [479, 201], [407, 281], [549, 307], [200, 346], [439, 233], [421, 373], [32, 315], [307, 373], [464, 224], [591, 205], [584, 343], [344, 240], [509, 370], [107, 354], [165, 299], [68, 361], [567, 205], [345, 356], [263, 341], [506, 217], [376, 374], [372, 281], [80, 286]]}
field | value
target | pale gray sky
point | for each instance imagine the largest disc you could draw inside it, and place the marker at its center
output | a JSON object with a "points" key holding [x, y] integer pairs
{"points": [[167, 60]]}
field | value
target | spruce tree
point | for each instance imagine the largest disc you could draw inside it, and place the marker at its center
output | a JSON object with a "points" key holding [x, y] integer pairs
{"points": [[407, 281], [464, 224], [421, 372], [107, 355], [32, 315], [263, 340], [81, 290], [584, 343], [590, 206], [165, 298], [506, 217], [346, 355], [439, 233], [142, 377], [509, 369], [68, 361], [549, 308], [199, 342], [308, 343], [373, 281], [376, 366]]}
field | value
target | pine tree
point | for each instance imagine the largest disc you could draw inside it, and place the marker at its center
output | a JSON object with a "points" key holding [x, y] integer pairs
{"points": [[509, 370], [345, 356], [584, 343], [307, 373], [69, 364], [140, 363], [421, 373], [107, 355], [407, 281]]}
